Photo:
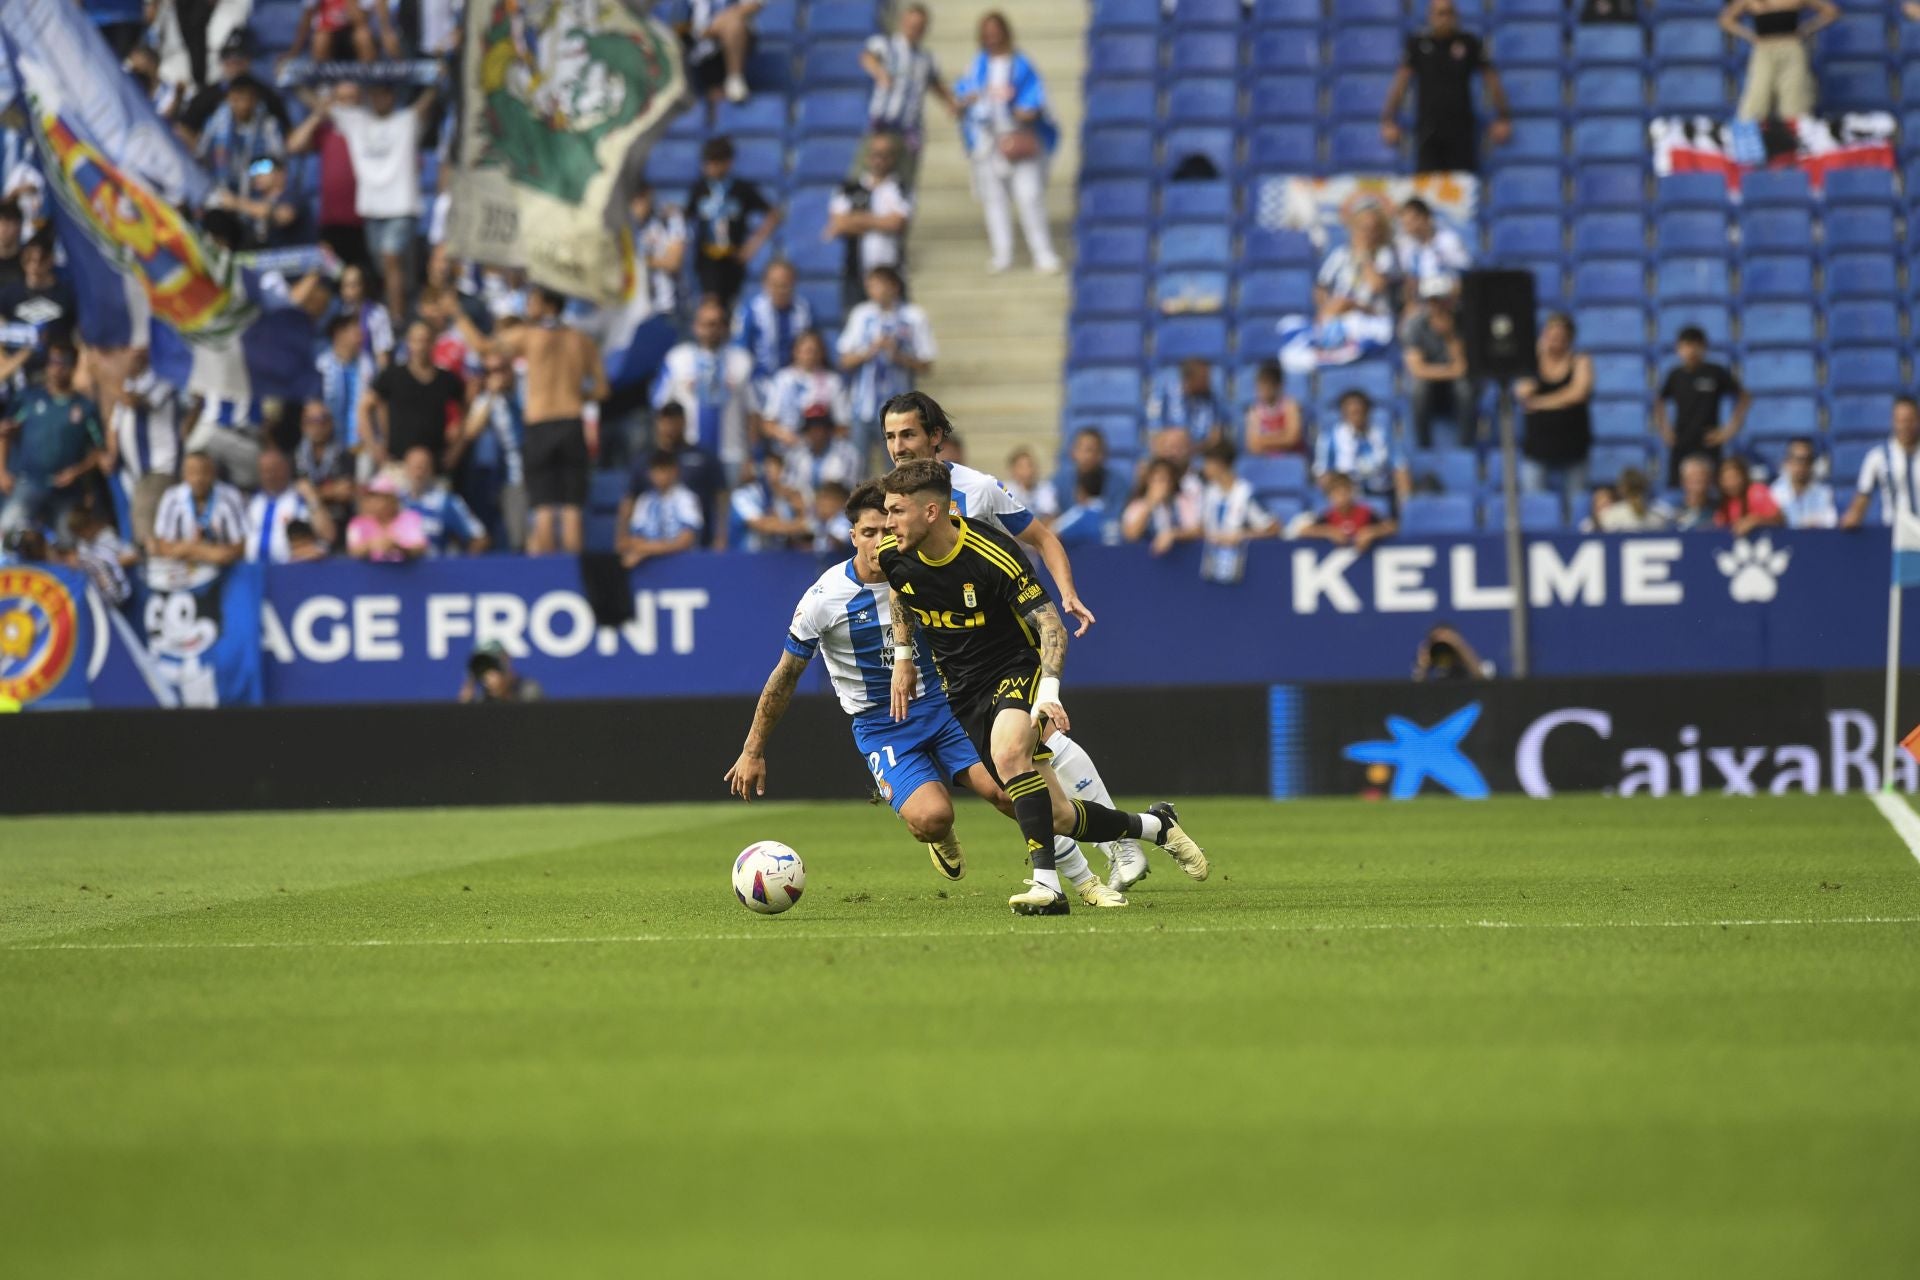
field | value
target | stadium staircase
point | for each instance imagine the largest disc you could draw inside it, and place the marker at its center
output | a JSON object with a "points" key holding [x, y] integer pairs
{"points": [[1003, 339]]}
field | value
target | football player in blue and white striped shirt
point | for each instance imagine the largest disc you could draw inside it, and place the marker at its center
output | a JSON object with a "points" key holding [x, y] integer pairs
{"points": [[845, 617]]}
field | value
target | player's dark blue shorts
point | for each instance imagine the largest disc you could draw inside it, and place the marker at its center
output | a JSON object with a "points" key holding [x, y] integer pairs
{"points": [[928, 746]]}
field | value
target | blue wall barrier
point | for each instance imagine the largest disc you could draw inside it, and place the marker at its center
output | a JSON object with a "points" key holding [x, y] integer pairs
{"points": [[1602, 605]]}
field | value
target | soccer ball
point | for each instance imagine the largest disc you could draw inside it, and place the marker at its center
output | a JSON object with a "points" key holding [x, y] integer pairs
{"points": [[768, 877]]}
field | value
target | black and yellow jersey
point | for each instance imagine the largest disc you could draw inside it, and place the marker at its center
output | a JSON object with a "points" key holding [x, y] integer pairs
{"points": [[971, 606]]}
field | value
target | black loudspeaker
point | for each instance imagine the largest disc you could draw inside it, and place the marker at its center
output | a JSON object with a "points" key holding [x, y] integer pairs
{"points": [[1497, 308]]}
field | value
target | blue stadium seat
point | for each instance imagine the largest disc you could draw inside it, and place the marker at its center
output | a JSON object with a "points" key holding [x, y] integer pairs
{"points": [[1359, 94], [1603, 89], [1116, 200], [1609, 235], [1276, 291], [1610, 186], [824, 296], [764, 160], [1374, 377], [1863, 324], [1777, 324], [770, 70], [1204, 53], [1437, 513], [1284, 97], [1783, 230], [1522, 44], [1525, 235], [1367, 48], [1848, 458], [1864, 186], [1600, 42], [764, 116], [273, 26], [1454, 470], [1711, 318], [1783, 417], [1859, 371], [1687, 40], [1116, 248], [1691, 191], [1290, 13], [1863, 227], [1620, 375], [1124, 15], [1549, 280], [1690, 279], [1860, 36], [1369, 12], [1539, 513], [1283, 508], [1358, 148], [1112, 390], [1283, 49], [1535, 140], [674, 165], [1284, 148], [1781, 276], [1122, 53], [1854, 86], [1189, 337], [1255, 338], [840, 20], [1196, 245], [1869, 416], [1690, 91], [1115, 151], [1265, 246], [1118, 102], [828, 63], [1199, 102], [1197, 201], [1775, 187], [1525, 188], [1782, 373], [824, 159], [1606, 462], [1862, 275], [1120, 294], [1609, 138], [1215, 142], [1694, 231], [1609, 281], [1121, 431], [832, 111], [1283, 474], [1537, 91], [1106, 342], [1207, 13], [1503, 10], [1612, 328], [1191, 289], [1620, 421]]}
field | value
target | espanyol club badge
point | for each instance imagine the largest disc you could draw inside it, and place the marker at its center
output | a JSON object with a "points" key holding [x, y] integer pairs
{"points": [[966, 594]]}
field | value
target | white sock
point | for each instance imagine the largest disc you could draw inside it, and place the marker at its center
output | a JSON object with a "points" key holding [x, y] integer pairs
{"points": [[1081, 777], [1050, 878], [1149, 828], [1070, 862]]}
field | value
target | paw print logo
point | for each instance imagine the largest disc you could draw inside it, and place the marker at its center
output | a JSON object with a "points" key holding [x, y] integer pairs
{"points": [[1753, 570]]}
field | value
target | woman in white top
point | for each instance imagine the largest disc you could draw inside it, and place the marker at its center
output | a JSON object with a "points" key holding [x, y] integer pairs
{"points": [[806, 383], [1010, 137]]}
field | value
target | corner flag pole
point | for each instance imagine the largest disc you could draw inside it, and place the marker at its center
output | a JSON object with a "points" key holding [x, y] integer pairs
{"points": [[1889, 736]]}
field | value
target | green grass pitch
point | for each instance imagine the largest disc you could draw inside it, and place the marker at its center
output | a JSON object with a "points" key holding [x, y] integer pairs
{"points": [[1577, 1037]]}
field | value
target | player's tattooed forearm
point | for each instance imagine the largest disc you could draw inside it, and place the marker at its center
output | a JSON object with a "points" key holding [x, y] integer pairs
{"points": [[902, 620], [775, 697], [1053, 640]]}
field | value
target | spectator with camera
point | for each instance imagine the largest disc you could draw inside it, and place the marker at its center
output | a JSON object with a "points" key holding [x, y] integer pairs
{"points": [[491, 678]]}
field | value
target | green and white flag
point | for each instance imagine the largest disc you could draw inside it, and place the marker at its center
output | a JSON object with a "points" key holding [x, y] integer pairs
{"points": [[560, 100]]}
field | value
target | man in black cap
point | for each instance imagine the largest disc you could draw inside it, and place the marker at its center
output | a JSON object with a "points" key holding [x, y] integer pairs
{"points": [[236, 63]]}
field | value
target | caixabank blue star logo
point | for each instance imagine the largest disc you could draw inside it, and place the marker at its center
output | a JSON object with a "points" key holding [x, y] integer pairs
{"points": [[1416, 754]]}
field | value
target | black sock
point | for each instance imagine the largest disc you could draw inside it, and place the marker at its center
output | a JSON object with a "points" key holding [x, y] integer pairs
{"points": [[1033, 810], [1100, 825]]}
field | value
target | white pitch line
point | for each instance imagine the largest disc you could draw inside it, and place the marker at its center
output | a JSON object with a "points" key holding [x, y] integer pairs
{"points": [[1906, 823], [796, 935]]}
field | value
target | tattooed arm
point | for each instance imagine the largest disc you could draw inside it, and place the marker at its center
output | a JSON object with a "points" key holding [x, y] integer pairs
{"points": [[748, 777], [1053, 657], [904, 671]]}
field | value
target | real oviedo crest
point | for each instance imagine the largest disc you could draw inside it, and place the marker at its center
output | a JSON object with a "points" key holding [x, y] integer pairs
{"points": [[39, 631]]}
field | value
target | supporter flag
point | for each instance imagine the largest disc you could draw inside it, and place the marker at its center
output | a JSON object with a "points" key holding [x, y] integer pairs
{"points": [[560, 100], [203, 632], [1906, 573], [120, 183], [1819, 145]]}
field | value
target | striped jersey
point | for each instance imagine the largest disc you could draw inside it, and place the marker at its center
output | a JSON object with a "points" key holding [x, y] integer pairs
{"points": [[1894, 474], [268, 515], [910, 69], [983, 499], [146, 428], [221, 518], [880, 379], [849, 623], [768, 333]]}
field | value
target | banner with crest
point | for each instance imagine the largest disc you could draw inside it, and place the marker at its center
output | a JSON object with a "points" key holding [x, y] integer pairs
{"points": [[560, 100]]}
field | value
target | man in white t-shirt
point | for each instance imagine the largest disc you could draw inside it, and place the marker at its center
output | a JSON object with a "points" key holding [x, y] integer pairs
{"points": [[384, 142], [870, 215]]}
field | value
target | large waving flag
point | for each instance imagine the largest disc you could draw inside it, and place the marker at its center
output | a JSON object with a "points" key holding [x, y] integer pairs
{"points": [[120, 184], [559, 101]]}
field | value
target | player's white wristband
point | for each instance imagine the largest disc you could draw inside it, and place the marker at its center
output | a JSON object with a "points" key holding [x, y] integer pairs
{"points": [[1049, 691]]}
